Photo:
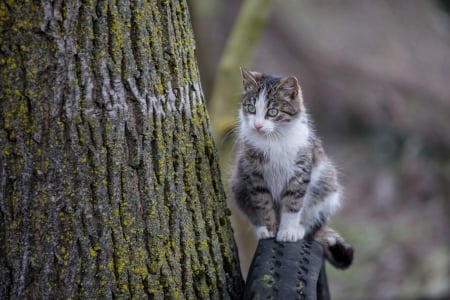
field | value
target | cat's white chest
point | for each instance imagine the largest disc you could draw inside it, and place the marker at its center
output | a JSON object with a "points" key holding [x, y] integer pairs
{"points": [[278, 171], [277, 175]]}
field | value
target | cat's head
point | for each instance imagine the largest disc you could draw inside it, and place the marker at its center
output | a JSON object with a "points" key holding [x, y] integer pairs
{"points": [[269, 103]]}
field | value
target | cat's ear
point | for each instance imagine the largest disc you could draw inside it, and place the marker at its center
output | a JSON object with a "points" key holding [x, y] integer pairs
{"points": [[250, 79], [289, 87]]}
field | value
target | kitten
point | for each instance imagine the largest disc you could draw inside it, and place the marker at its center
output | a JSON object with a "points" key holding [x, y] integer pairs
{"points": [[282, 180]]}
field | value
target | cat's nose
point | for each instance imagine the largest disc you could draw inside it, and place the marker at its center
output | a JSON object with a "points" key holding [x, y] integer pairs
{"points": [[258, 125]]}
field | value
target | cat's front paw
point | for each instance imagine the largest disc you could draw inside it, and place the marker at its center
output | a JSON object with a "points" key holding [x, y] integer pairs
{"points": [[263, 233], [291, 234]]}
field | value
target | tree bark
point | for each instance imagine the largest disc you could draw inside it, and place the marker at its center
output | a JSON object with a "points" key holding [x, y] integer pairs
{"points": [[110, 186]]}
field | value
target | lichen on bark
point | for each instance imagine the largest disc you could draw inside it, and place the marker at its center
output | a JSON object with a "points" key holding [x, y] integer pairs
{"points": [[110, 186]]}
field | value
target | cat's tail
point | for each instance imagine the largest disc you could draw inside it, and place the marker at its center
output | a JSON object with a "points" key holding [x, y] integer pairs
{"points": [[337, 250]]}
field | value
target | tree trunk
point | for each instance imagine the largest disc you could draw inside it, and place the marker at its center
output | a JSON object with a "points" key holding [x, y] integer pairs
{"points": [[110, 186]]}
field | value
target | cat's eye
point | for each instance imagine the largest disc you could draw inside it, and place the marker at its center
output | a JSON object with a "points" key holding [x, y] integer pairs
{"points": [[251, 108], [272, 112]]}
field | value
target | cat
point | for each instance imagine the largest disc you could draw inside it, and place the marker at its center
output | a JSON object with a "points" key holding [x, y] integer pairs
{"points": [[281, 178]]}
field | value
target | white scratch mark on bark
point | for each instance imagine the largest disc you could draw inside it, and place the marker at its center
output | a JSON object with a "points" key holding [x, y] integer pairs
{"points": [[171, 98], [137, 95]]}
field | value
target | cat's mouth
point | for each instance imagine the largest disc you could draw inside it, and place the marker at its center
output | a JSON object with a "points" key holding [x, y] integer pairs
{"points": [[263, 132], [260, 131]]}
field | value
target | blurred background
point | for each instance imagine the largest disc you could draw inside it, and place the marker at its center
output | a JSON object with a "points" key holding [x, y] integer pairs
{"points": [[376, 80]]}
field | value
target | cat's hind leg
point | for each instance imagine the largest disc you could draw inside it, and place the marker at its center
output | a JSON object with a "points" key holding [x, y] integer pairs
{"points": [[323, 197]]}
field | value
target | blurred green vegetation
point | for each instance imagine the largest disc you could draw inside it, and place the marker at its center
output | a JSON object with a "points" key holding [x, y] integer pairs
{"points": [[376, 80]]}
